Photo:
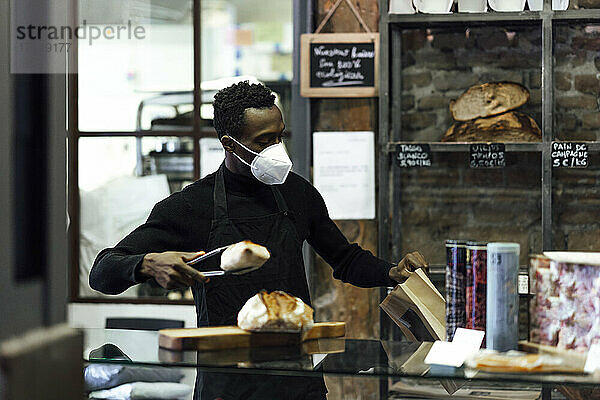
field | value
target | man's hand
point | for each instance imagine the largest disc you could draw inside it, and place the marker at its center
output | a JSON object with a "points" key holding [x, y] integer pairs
{"points": [[410, 263], [170, 270]]}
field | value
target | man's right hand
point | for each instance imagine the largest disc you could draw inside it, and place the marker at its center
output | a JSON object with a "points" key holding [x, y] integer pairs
{"points": [[169, 269]]}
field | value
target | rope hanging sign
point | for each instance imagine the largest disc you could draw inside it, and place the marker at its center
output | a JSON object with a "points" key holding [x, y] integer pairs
{"points": [[340, 64]]}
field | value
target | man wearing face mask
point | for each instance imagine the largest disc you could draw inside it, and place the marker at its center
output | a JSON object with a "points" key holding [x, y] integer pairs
{"points": [[252, 196]]}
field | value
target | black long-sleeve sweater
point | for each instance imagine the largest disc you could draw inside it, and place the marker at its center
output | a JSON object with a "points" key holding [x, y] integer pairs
{"points": [[182, 222]]}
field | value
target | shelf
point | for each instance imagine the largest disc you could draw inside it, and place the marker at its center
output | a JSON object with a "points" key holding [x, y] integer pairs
{"points": [[440, 269], [441, 147], [418, 20], [491, 18], [577, 16], [395, 227]]}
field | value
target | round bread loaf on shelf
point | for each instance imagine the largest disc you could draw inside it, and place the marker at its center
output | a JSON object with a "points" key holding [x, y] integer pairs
{"points": [[487, 100], [275, 311], [508, 127]]}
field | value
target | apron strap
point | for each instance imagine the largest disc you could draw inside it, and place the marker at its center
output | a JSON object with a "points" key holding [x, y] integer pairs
{"points": [[281, 203], [219, 197]]}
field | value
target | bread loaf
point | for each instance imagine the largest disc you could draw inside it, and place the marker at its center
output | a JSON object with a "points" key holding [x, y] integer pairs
{"points": [[275, 311], [244, 255], [487, 100], [508, 127]]}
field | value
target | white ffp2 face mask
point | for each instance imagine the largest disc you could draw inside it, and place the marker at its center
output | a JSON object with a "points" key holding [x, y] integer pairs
{"points": [[271, 166]]}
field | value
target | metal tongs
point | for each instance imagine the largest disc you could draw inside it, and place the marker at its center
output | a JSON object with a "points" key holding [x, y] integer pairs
{"points": [[218, 272]]}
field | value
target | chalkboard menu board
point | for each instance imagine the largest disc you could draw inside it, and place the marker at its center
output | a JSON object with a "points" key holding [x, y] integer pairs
{"points": [[486, 155], [339, 65], [413, 155], [569, 155], [342, 64]]}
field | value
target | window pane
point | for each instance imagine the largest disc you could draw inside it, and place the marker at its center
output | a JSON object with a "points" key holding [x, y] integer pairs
{"points": [[128, 74], [246, 40], [120, 180], [247, 37]]}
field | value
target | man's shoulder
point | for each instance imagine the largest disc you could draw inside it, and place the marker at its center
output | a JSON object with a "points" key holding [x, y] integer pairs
{"points": [[299, 185], [196, 194], [295, 180]]}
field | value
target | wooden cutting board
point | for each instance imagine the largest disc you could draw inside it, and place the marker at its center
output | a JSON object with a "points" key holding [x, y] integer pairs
{"points": [[230, 337]]}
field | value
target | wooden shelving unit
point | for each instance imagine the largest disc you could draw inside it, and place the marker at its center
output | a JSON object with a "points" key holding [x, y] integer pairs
{"points": [[390, 102]]}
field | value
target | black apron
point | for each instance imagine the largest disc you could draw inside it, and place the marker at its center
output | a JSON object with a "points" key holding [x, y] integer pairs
{"points": [[219, 301]]}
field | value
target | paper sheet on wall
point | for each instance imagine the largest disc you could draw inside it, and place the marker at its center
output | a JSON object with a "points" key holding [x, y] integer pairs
{"points": [[344, 173], [211, 155]]}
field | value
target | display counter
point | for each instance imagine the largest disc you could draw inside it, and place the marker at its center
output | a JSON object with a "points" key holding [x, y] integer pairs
{"points": [[394, 364]]}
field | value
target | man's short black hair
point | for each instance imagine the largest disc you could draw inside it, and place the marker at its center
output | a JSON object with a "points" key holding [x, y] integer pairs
{"points": [[231, 102]]}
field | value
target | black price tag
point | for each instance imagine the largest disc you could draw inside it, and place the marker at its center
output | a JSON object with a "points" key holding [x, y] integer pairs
{"points": [[487, 155], [569, 155], [413, 155]]}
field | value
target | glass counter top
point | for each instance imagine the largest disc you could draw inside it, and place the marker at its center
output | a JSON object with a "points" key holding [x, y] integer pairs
{"points": [[346, 357]]}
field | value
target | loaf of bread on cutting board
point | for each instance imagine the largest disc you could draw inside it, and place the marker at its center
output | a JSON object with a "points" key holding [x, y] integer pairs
{"points": [[244, 255], [275, 311], [487, 100]]}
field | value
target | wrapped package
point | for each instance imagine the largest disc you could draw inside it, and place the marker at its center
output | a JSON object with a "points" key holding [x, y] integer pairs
{"points": [[456, 275], [476, 285], [566, 307]]}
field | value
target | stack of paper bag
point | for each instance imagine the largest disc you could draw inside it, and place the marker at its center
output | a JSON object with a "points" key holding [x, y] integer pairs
{"points": [[418, 308]]}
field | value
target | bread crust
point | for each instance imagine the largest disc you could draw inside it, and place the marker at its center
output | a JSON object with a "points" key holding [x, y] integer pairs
{"points": [[512, 126], [488, 100], [283, 312], [244, 255]]}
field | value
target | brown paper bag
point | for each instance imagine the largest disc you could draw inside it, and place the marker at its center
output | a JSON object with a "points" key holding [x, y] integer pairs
{"points": [[417, 308]]}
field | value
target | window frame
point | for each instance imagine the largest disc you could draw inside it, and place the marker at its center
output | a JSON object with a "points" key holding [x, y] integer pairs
{"points": [[198, 130]]}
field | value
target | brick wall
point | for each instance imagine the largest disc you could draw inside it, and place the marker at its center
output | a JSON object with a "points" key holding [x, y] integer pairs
{"points": [[577, 64], [450, 200], [438, 66]]}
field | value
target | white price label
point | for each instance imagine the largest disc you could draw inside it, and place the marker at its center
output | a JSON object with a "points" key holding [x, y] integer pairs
{"points": [[523, 284], [593, 359], [465, 343]]}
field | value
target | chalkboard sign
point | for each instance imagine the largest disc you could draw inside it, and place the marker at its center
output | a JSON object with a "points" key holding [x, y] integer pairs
{"points": [[413, 155], [569, 155], [339, 65], [486, 155]]}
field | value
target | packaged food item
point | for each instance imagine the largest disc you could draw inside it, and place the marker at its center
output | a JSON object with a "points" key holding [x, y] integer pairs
{"points": [[502, 305], [566, 307], [544, 327], [516, 361], [456, 260], [476, 285]]}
